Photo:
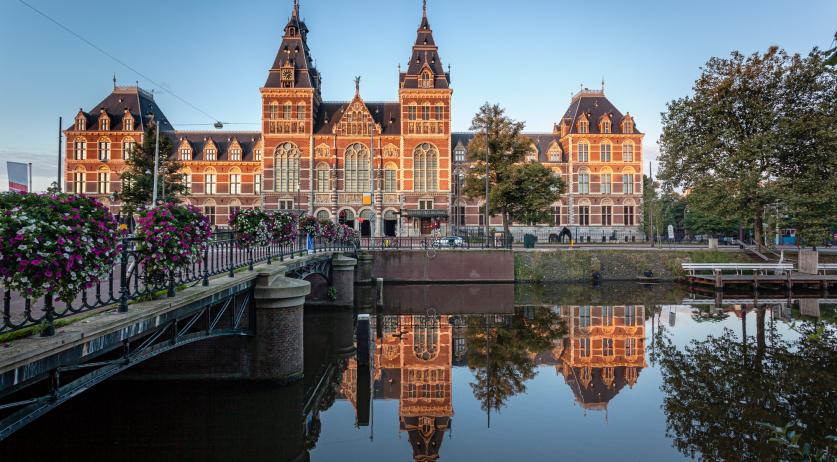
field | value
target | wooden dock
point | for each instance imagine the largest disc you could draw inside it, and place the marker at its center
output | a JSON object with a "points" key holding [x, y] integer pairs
{"points": [[760, 275]]}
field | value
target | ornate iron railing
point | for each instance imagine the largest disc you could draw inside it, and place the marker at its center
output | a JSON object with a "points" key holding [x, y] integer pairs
{"points": [[434, 243], [129, 281]]}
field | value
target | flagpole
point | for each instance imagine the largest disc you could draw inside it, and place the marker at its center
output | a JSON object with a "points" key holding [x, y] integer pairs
{"points": [[30, 178], [156, 163], [60, 138]]}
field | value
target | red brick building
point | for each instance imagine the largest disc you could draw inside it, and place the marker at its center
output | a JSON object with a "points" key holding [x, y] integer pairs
{"points": [[321, 156]]}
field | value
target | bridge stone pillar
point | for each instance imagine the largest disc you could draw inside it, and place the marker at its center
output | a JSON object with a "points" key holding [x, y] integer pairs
{"points": [[344, 333], [278, 352], [343, 278], [363, 275]]}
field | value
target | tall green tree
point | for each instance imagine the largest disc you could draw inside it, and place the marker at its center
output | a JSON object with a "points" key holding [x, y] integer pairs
{"points": [[831, 55], [529, 193], [506, 147], [757, 131], [138, 178], [723, 138]]}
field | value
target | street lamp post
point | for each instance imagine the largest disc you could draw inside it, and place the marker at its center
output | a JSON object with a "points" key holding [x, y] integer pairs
{"points": [[487, 151], [156, 164]]}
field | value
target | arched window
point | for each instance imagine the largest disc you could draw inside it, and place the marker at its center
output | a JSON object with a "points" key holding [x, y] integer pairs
{"points": [[604, 153], [323, 177], [607, 213], [411, 111], [103, 181], [627, 151], [583, 151], [425, 111], [425, 168], [286, 114], [78, 181], [235, 181], [628, 125], [128, 145], [426, 337], [286, 160], [104, 149], [426, 80], [79, 149], [605, 126], [300, 111], [584, 182], [356, 168], [607, 181], [273, 110], [584, 212], [210, 181], [323, 215], [390, 177], [187, 180], [628, 181], [81, 122], [583, 126]]}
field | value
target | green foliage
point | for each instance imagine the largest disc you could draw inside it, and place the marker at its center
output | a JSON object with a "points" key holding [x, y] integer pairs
{"points": [[138, 177], [757, 129], [720, 391], [332, 294], [831, 55], [789, 435], [509, 181]]}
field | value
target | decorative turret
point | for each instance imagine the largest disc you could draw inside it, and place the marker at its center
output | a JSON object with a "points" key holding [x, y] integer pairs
{"points": [[425, 68], [293, 67]]}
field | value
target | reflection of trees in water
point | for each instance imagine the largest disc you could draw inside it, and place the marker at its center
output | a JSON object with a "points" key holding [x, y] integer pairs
{"points": [[718, 390], [501, 351]]}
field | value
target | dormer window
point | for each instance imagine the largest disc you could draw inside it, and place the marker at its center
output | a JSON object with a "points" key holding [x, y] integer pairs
{"points": [[459, 154], [628, 126], [81, 123], [104, 124], [426, 80], [257, 154], [292, 31], [128, 123], [209, 154], [605, 126], [235, 154], [185, 154], [583, 126]]}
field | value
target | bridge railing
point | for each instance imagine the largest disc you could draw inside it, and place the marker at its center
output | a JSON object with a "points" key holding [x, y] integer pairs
{"points": [[437, 243], [737, 268], [128, 280], [826, 268]]}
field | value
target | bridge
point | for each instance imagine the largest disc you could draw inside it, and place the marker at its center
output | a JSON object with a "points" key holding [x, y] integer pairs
{"points": [[256, 294]]}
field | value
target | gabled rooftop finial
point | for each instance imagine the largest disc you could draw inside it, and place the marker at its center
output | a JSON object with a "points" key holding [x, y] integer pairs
{"points": [[114, 80], [424, 8], [357, 85], [296, 9]]}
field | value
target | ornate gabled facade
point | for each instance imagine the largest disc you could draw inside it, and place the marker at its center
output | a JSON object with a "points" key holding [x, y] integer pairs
{"points": [[395, 164]]}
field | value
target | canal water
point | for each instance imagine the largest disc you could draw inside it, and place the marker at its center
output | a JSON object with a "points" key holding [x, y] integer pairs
{"points": [[488, 373]]}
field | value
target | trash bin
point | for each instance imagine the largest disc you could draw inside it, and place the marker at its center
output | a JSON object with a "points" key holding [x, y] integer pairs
{"points": [[529, 241]]}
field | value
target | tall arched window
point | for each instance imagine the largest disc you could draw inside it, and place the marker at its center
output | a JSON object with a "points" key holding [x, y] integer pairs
{"points": [[286, 160], [300, 111], [103, 181], [425, 168], [627, 151], [235, 181], [390, 177], [273, 111], [357, 168], [323, 177], [210, 181], [286, 114], [426, 337], [426, 80]]}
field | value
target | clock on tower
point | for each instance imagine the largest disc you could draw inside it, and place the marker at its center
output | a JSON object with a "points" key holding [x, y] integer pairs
{"points": [[287, 75]]}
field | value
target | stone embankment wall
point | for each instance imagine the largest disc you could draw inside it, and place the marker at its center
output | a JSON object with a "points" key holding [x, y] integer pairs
{"points": [[613, 265], [443, 265]]}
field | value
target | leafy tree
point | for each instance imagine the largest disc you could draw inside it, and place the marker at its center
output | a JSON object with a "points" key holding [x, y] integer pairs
{"points": [[506, 147], [529, 193], [831, 55], [758, 129], [723, 138], [138, 178]]}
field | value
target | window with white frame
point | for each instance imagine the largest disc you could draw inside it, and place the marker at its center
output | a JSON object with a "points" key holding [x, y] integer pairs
{"points": [[128, 148], [607, 185], [583, 183], [628, 215], [357, 168], [257, 154], [411, 112], [186, 154], [286, 114], [209, 183], [286, 204], [78, 182], [459, 154], [235, 183], [187, 181], [628, 183], [286, 159], [257, 183], [607, 215], [584, 215], [583, 151], [103, 182], [390, 175], [425, 168], [583, 126], [605, 126], [210, 154], [300, 111], [605, 152], [627, 151], [128, 124], [235, 154], [323, 178], [79, 149], [104, 151]]}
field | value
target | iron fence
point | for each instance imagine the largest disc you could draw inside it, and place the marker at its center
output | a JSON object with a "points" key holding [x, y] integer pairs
{"points": [[437, 243], [128, 280]]}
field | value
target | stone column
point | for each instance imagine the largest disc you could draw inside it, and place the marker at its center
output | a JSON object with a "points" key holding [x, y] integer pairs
{"points": [[364, 268], [278, 352], [343, 278], [808, 261], [344, 332]]}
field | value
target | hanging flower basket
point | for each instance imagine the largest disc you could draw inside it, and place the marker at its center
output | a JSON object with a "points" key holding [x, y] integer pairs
{"points": [[171, 237], [328, 230], [283, 228], [55, 243], [252, 226], [309, 226]]}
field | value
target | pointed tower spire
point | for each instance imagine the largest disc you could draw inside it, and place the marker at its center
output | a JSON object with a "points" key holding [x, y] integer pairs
{"points": [[425, 55], [296, 9], [424, 8], [293, 66]]}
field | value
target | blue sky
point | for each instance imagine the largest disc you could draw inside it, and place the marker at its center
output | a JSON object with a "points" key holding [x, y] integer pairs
{"points": [[527, 55]]}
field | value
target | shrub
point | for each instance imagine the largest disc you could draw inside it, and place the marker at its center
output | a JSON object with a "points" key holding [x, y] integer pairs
{"points": [[56, 243], [170, 236]]}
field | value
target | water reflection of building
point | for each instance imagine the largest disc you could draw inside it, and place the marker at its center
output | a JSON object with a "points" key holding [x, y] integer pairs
{"points": [[604, 350], [413, 360]]}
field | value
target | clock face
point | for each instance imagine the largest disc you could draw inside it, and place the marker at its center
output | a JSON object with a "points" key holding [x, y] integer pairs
{"points": [[287, 74]]}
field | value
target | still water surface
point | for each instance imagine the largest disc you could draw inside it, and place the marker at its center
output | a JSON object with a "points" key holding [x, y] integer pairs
{"points": [[488, 373]]}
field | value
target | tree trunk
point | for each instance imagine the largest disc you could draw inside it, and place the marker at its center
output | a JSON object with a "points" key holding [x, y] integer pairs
{"points": [[758, 224]]}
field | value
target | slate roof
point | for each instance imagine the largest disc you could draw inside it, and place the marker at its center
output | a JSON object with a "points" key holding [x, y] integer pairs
{"points": [[541, 140], [140, 103], [595, 104], [596, 395], [386, 113], [222, 139], [294, 48], [425, 53]]}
